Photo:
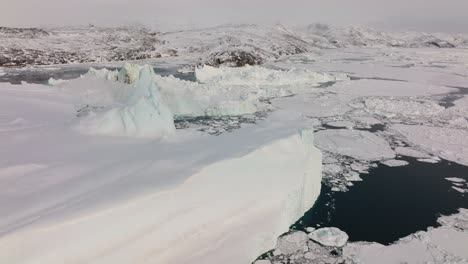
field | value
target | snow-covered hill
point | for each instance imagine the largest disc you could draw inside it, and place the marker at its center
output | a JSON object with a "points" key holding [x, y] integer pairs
{"points": [[232, 45]]}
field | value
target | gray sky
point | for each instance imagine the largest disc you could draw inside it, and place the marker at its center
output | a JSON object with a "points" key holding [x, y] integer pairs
{"points": [[427, 15]]}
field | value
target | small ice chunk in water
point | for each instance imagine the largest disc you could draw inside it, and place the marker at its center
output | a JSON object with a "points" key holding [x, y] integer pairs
{"points": [[453, 179], [352, 176], [431, 160], [395, 163], [332, 168], [330, 237], [460, 190]]}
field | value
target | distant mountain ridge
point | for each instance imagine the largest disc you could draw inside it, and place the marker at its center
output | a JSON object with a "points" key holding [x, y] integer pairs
{"points": [[231, 45]]}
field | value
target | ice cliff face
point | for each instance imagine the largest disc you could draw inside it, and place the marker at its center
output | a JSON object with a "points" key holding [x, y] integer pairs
{"points": [[229, 211]]}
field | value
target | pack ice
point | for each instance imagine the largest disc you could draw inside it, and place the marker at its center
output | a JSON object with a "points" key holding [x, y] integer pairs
{"points": [[118, 184]]}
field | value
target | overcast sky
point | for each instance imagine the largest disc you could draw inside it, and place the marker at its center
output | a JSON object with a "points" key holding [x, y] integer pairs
{"points": [[427, 15]]}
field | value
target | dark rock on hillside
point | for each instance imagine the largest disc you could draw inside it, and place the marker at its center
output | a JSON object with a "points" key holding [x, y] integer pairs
{"points": [[22, 57], [235, 58], [440, 44], [23, 32]]}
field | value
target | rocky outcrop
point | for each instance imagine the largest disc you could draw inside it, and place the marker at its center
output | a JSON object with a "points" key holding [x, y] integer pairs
{"points": [[237, 58]]}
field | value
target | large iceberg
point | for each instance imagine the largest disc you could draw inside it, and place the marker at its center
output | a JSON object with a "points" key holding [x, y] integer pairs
{"points": [[142, 113], [229, 210]]}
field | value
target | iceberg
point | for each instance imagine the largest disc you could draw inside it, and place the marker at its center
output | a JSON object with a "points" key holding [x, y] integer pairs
{"points": [[230, 211], [143, 114], [218, 92]]}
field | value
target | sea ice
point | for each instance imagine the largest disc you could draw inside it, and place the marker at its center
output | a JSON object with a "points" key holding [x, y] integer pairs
{"points": [[361, 145], [430, 160], [394, 163], [332, 168], [352, 176], [409, 152], [388, 88], [391, 108], [458, 180], [341, 124], [257, 76], [447, 143], [460, 190], [330, 237], [292, 242]]}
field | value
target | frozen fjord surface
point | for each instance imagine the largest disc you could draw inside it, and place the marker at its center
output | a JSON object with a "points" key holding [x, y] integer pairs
{"points": [[167, 202], [137, 102]]}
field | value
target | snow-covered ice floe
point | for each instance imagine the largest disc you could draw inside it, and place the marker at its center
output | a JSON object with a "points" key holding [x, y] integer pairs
{"points": [[361, 145], [395, 163], [330, 237], [444, 142]]}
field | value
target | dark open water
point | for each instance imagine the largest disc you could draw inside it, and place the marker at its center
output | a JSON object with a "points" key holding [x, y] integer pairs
{"points": [[390, 203]]}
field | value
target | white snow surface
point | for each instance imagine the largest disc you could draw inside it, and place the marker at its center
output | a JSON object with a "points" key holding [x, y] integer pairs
{"points": [[388, 88], [409, 152], [446, 143], [361, 145], [390, 108], [125, 200]]}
